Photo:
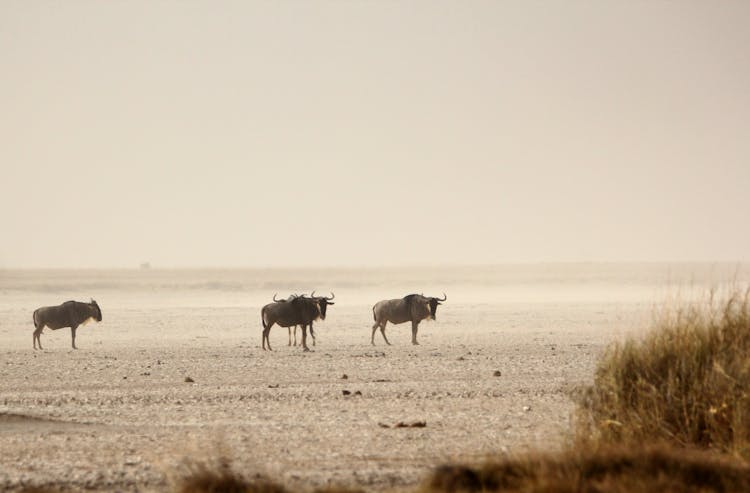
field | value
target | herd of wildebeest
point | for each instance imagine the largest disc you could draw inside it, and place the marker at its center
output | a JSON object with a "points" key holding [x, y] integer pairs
{"points": [[296, 310]]}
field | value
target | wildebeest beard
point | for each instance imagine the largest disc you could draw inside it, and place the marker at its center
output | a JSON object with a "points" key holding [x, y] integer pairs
{"points": [[323, 306], [98, 316], [323, 303], [433, 307]]}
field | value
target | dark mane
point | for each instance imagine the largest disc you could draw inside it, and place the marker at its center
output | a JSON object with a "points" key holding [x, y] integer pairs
{"points": [[409, 299], [305, 309]]}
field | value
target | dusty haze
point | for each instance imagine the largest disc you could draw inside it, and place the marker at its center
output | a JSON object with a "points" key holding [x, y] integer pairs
{"points": [[373, 133]]}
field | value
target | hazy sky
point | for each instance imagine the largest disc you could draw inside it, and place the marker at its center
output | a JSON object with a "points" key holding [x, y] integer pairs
{"points": [[373, 132]]}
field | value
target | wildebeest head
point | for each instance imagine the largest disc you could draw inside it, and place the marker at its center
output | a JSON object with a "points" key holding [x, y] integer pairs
{"points": [[323, 303], [97, 311], [421, 306], [434, 302]]}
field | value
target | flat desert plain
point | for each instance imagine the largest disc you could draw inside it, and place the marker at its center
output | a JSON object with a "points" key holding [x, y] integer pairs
{"points": [[492, 375]]}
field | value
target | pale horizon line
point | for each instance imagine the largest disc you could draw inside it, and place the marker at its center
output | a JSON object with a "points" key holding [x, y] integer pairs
{"points": [[158, 267]]}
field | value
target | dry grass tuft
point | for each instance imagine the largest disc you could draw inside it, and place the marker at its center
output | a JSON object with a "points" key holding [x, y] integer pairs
{"points": [[337, 490], [219, 477], [686, 383], [615, 469]]}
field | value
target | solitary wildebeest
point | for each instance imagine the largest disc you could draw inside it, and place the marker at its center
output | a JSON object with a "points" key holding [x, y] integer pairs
{"points": [[299, 310], [69, 314], [413, 307]]}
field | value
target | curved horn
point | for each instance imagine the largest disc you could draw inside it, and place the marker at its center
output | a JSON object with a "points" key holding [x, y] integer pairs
{"points": [[444, 298], [312, 295], [274, 297], [332, 296]]}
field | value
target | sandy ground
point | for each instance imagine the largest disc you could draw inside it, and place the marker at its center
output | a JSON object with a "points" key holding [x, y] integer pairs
{"points": [[117, 414]]}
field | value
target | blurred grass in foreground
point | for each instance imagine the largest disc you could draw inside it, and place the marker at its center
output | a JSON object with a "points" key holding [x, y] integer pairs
{"points": [[686, 383]]}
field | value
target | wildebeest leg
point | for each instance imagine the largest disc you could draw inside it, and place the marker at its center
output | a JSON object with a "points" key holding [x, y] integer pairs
{"points": [[382, 331], [289, 330], [37, 337], [304, 338], [73, 336], [295, 336], [312, 333], [414, 326], [266, 330]]}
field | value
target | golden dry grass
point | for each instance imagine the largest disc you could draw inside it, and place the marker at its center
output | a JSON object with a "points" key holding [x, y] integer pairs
{"points": [[218, 476], [685, 383], [613, 469]]}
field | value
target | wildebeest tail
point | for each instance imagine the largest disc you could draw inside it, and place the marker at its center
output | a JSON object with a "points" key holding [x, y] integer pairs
{"points": [[36, 323], [263, 317], [373, 314]]}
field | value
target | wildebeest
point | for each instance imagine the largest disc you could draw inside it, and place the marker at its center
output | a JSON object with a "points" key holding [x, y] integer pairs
{"points": [[69, 314], [289, 329], [413, 307], [299, 310]]}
